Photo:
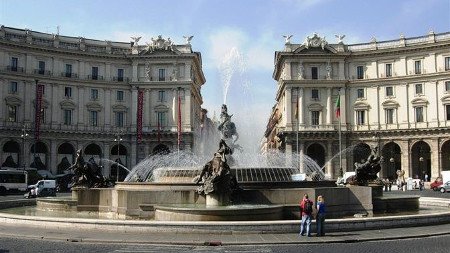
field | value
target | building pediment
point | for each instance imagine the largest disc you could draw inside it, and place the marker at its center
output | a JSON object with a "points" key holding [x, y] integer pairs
{"points": [[119, 108], [419, 102], [11, 100], [360, 105], [160, 46], [315, 44], [390, 104], [93, 106], [446, 99], [315, 107], [161, 108], [67, 104]]}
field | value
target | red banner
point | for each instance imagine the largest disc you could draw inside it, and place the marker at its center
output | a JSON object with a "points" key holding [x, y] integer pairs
{"points": [[179, 119], [38, 108], [140, 103]]}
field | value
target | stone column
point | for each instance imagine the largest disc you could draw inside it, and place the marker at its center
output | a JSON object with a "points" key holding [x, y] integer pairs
{"points": [[107, 103], [288, 106], [81, 110], [29, 68], [56, 109], [133, 109], [301, 119], [434, 157], [106, 171], [186, 109], [146, 107], [134, 72], [108, 75], [53, 157], [405, 157], [28, 93], [329, 108], [341, 70]]}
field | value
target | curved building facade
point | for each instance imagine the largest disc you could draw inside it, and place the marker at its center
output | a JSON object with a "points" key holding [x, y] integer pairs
{"points": [[118, 102], [392, 94]]}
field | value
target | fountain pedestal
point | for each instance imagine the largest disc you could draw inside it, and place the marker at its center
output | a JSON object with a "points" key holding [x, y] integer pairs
{"points": [[217, 199]]}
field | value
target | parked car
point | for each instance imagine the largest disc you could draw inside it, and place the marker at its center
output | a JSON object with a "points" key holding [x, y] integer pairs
{"points": [[42, 188], [435, 185], [444, 187]]}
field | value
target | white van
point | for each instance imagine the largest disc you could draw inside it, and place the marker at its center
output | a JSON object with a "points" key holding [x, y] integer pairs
{"points": [[42, 188], [13, 180]]}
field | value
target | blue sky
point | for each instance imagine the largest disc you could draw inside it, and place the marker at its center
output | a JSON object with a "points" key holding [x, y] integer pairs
{"points": [[254, 28]]}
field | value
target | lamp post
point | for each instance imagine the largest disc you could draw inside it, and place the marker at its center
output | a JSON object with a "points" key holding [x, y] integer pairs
{"points": [[392, 160], [118, 139], [24, 135]]}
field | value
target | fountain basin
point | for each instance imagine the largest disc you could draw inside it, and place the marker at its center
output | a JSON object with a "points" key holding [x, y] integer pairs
{"points": [[218, 213], [60, 204]]}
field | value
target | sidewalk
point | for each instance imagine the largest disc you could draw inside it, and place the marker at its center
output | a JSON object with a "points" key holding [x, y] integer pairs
{"points": [[93, 236]]}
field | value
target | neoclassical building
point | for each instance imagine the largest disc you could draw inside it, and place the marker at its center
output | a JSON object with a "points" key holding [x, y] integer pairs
{"points": [[115, 101], [392, 94]]}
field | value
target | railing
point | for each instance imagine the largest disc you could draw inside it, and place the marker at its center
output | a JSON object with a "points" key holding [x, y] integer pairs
{"points": [[14, 69], [69, 75], [120, 79], [43, 72], [93, 77]]}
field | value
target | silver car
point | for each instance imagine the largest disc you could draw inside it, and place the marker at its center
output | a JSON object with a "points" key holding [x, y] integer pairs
{"points": [[444, 187]]}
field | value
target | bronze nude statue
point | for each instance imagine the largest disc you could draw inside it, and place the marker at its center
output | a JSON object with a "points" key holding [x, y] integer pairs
{"points": [[216, 174], [87, 174], [366, 172]]}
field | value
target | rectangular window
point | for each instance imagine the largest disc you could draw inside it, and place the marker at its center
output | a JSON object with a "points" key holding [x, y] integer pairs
{"points": [[314, 73], [67, 117], [120, 75], [93, 118], [360, 117], [315, 115], [119, 95], [447, 86], [389, 91], [389, 116], [360, 93], [388, 70], [14, 63], [419, 114], [68, 92], [94, 94], [94, 73], [447, 63], [161, 119], [41, 69], [12, 113], [447, 108], [161, 96], [13, 87], [419, 89], [360, 72], [315, 94], [417, 67], [162, 74], [119, 119], [68, 70]]}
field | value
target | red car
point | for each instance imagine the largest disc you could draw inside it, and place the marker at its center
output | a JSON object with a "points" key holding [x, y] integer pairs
{"points": [[435, 185]]}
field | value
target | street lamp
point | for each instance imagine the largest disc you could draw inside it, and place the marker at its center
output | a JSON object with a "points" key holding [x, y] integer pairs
{"points": [[118, 139], [392, 160], [24, 135]]}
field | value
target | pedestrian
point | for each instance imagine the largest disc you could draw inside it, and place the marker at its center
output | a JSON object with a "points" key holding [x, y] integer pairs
{"points": [[426, 177], [306, 209], [421, 185], [320, 217]]}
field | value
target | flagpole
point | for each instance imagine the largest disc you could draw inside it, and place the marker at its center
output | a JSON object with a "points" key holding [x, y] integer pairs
{"points": [[338, 109]]}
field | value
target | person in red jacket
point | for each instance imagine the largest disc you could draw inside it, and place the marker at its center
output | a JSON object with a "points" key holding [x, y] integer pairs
{"points": [[306, 210]]}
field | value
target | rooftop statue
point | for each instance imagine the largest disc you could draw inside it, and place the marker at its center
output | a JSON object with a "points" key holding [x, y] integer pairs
{"points": [[87, 174]]}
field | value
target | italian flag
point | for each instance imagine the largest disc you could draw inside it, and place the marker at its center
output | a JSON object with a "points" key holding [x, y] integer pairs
{"points": [[338, 107]]}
